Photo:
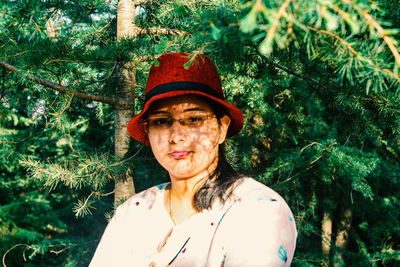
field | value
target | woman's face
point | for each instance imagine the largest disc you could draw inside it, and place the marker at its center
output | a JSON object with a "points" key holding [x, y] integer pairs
{"points": [[184, 135]]}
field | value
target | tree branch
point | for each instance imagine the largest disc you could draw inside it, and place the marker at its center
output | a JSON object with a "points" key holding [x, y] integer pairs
{"points": [[5, 254], [145, 2], [380, 30], [139, 30], [307, 79], [60, 88], [278, 16], [144, 58], [338, 38], [384, 35], [354, 52]]}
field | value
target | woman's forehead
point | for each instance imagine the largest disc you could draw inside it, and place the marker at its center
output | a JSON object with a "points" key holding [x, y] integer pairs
{"points": [[180, 103]]}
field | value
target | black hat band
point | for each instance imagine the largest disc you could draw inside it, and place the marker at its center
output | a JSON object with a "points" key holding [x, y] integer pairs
{"points": [[182, 86]]}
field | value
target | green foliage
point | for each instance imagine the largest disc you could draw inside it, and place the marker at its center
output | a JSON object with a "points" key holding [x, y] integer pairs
{"points": [[344, 34], [78, 171]]}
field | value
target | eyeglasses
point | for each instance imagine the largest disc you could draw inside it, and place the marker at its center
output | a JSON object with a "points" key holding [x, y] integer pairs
{"points": [[190, 120]]}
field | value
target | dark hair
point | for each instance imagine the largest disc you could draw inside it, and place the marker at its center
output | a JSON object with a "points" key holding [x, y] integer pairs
{"points": [[219, 186], [223, 180]]}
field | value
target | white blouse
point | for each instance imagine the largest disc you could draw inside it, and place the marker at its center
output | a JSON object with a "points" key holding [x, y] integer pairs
{"points": [[255, 227]]}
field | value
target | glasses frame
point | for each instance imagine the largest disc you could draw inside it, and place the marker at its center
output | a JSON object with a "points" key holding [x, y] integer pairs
{"points": [[180, 120]]}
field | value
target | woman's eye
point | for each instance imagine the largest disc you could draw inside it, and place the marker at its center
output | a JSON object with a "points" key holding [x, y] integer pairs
{"points": [[194, 119], [160, 122]]}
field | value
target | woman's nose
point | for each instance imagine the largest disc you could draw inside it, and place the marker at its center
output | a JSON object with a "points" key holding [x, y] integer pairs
{"points": [[177, 132]]}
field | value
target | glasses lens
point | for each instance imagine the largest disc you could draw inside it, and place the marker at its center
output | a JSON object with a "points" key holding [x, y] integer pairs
{"points": [[191, 120], [159, 122], [194, 120]]}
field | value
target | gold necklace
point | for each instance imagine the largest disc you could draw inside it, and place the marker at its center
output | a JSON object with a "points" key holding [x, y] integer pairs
{"points": [[171, 211]]}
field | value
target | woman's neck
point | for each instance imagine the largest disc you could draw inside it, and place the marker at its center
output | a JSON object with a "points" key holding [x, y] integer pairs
{"points": [[185, 189], [179, 196]]}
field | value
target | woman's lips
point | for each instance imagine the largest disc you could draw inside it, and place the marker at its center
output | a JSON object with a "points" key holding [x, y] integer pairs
{"points": [[179, 154]]}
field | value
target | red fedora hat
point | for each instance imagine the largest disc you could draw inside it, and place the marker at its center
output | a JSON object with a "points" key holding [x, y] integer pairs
{"points": [[176, 74]]}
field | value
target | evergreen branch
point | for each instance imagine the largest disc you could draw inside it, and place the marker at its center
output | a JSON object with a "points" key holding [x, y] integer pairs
{"points": [[105, 194], [128, 159], [341, 12], [287, 70], [58, 115], [353, 51], [75, 61], [60, 88], [392, 74], [82, 209], [55, 74], [275, 24], [338, 38], [93, 171], [145, 58], [3, 90], [58, 251], [15, 246], [375, 101], [108, 76], [69, 245], [63, 47], [17, 54], [311, 165], [36, 25], [97, 31], [164, 31], [309, 145], [201, 50], [323, 152], [145, 2], [105, 26], [380, 30]]}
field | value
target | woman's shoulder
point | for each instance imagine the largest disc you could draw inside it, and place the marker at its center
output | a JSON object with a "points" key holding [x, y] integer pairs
{"points": [[249, 187], [143, 200], [249, 191], [257, 206], [267, 235]]}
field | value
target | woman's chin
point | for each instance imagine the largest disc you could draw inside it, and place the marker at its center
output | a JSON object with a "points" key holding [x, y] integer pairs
{"points": [[183, 173]]}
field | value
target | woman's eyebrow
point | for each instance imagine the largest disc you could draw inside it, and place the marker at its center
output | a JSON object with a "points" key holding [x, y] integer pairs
{"points": [[159, 112], [194, 109], [163, 112]]}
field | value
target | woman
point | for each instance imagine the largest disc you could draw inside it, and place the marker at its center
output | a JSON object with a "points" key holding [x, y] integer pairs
{"points": [[207, 215]]}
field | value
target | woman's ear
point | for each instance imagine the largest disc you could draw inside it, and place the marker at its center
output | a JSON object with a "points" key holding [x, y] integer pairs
{"points": [[225, 121]]}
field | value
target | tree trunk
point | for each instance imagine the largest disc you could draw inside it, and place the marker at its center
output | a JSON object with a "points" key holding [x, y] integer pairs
{"points": [[343, 234], [326, 235], [124, 186]]}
